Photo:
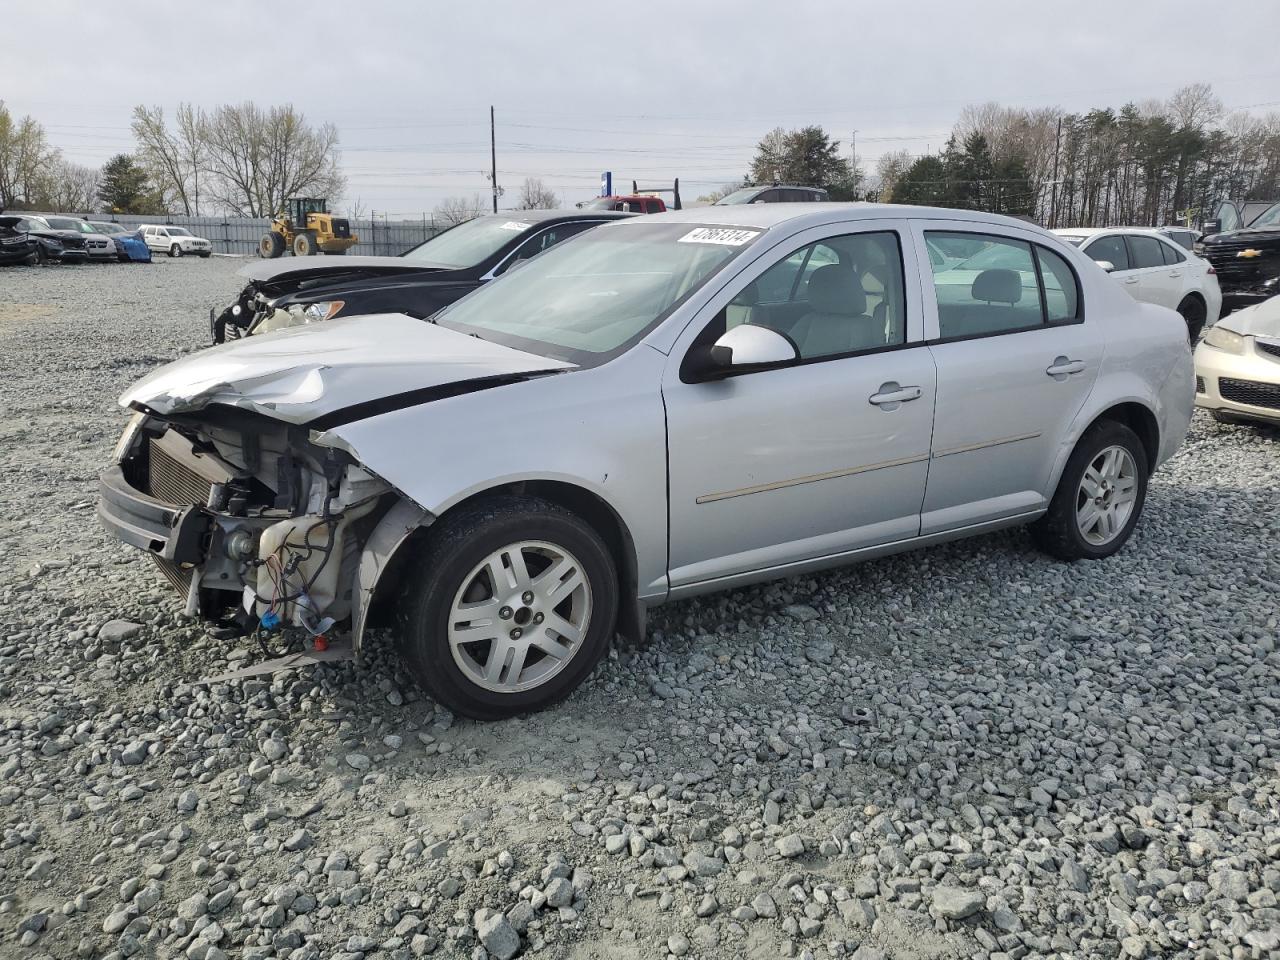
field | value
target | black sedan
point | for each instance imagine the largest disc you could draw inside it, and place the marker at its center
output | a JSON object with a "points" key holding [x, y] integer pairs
{"points": [[65, 246], [295, 291]]}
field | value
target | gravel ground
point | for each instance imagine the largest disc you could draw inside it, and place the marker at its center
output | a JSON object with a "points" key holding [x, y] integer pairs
{"points": [[971, 751]]}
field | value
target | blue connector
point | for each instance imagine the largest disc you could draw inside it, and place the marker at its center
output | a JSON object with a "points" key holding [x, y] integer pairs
{"points": [[270, 620]]}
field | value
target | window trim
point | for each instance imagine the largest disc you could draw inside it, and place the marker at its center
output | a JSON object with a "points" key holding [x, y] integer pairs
{"points": [[902, 233], [926, 227]]}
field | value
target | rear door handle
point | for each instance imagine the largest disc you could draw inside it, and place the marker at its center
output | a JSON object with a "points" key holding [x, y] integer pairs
{"points": [[891, 394], [1130, 279], [1062, 367], [1175, 273]]}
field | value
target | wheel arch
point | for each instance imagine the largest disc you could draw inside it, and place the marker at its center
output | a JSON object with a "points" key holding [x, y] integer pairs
{"points": [[1138, 418], [405, 524]]}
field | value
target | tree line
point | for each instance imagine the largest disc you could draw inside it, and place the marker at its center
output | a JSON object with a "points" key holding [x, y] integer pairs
{"points": [[1143, 164], [237, 159]]}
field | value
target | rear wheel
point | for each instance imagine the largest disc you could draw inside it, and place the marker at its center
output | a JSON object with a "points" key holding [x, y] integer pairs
{"points": [[175, 251], [1194, 312], [271, 246], [1099, 497], [511, 605], [304, 244]]}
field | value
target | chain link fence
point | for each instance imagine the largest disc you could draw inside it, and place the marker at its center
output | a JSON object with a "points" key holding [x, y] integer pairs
{"points": [[240, 235]]}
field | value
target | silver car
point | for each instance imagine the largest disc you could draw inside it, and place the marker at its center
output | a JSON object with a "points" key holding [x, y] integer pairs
{"points": [[1238, 366], [660, 407]]}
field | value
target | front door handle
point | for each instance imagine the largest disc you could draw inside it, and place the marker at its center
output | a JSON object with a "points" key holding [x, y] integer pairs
{"points": [[1063, 367], [1175, 273], [891, 394], [1130, 279]]}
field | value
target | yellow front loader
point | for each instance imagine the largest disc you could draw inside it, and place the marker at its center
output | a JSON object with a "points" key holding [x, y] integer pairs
{"points": [[306, 227]]}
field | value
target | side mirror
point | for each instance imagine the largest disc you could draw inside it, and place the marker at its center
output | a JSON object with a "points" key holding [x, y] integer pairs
{"points": [[1213, 226], [1106, 265], [744, 348]]}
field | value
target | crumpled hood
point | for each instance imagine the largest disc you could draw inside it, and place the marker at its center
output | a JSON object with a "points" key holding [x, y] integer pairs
{"points": [[303, 268], [1260, 320], [301, 373]]}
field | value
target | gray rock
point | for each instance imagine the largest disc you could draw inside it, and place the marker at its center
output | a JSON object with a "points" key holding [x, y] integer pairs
{"points": [[790, 846], [499, 937], [118, 631], [956, 903], [559, 892]]}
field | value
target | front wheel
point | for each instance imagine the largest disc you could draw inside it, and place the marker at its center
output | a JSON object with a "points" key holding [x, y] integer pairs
{"points": [[1099, 497], [511, 605], [175, 251]]}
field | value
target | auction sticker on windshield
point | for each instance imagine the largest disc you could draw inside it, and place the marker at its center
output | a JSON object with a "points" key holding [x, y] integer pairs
{"points": [[725, 236], [516, 225]]}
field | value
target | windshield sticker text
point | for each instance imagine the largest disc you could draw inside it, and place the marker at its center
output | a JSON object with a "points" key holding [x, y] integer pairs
{"points": [[725, 236]]}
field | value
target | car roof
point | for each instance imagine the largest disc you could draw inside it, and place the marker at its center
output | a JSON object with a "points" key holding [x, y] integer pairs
{"points": [[541, 216], [1095, 231], [766, 216]]}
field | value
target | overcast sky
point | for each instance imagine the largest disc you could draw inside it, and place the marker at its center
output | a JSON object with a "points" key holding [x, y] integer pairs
{"points": [[684, 89]]}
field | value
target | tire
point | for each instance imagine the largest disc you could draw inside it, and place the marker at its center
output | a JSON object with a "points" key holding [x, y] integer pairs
{"points": [[42, 256], [1194, 312], [206, 256], [452, 570], [304, 244], [335, 253], [271, 246], [175, 251], [1061, 531]]}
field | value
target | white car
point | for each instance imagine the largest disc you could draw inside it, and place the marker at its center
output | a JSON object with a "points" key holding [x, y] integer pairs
{"points": [[175, 241], [1238, 366], [1154, 269]]}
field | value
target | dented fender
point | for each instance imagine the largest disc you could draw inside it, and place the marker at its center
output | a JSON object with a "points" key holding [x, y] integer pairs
{"points": [[396, 526]]}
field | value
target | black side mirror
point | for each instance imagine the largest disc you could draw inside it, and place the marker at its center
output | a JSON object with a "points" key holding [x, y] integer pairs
{"points": [[1213, 226]]}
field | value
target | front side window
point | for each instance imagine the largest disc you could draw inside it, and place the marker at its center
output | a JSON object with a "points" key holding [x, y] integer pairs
{"points": [[994, 289], [837, 296], [590, 300], [1228, 217], [1110, 250]]}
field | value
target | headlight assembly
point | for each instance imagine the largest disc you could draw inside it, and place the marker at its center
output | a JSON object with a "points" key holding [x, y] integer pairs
{"points": [[324, 310], [1224, 340], [125, 443]]}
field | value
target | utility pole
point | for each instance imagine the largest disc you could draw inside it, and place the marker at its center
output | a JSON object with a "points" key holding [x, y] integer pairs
{"points": [[493, 160]]}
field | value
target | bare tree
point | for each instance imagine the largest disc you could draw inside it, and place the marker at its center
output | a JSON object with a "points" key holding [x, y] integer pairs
{"points": [[536, 195], [24, 153], [1195, 107], [166, 156], [889, 170], [259, 158], [356, 209], [455, 210], [68, 187]]}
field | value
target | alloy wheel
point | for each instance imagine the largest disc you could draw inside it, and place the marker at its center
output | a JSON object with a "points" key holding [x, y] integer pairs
{"points": [[1107, 494], [519, 616]]}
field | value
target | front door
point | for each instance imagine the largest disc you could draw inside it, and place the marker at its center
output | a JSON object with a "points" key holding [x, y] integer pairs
{"points": [[1158, 282], [1016, 359], [815, 457]]}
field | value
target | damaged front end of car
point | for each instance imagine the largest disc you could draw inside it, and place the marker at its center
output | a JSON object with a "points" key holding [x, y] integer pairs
{"points": [[252, 522]]}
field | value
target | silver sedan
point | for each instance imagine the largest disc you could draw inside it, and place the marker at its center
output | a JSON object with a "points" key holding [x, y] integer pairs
{"points": [[657, 408]]}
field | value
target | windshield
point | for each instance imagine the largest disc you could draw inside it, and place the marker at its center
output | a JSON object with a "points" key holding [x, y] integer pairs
{"points": [[469, 243], [591, 297], [66, 223], [1269, 218], [739, 196]]}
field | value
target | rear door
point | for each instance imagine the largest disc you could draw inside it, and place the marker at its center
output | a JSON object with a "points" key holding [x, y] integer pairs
{"points": [[1111, 248], [1158, 282], [1016, 356]]}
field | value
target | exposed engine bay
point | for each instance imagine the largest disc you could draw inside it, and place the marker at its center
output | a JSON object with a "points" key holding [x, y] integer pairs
{"points": [[244, 515]]}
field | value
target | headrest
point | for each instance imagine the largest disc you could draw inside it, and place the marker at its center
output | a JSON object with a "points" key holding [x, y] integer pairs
{"points": [[835, 289], [998, 286]]}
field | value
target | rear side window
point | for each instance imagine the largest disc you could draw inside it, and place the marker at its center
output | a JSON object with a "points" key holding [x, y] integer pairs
{"points": [[1110, 250], [1144, 252], [992, 288], [1061, 289], [1171, 253]]}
